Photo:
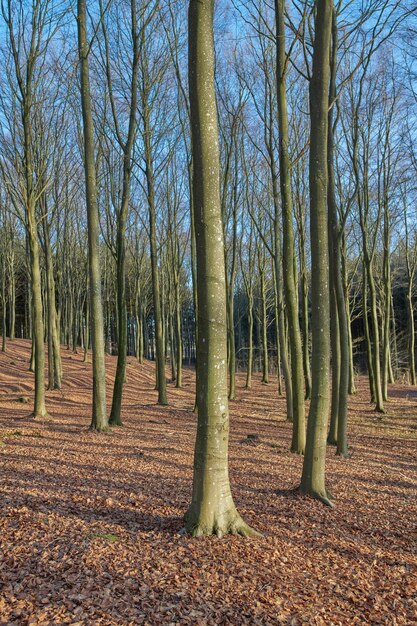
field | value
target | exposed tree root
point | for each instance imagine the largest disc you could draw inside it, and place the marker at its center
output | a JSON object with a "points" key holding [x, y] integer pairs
{"points": [[325, 497], [100, 429]]}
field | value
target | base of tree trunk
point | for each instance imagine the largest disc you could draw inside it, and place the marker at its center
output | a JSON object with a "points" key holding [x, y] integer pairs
{"points": [[331, 441], [219, 525], [325, 497], [296, 449], [343, 452], [40, 416], [379, 409], [116, 421], [100, 429]]}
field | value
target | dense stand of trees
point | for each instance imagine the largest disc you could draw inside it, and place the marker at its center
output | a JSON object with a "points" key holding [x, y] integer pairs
{"points": [[256, 214]]}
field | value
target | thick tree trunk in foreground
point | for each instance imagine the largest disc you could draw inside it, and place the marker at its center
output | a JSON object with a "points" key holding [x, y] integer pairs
{"points": [[212, 509], [99, 416], [313, 476]]}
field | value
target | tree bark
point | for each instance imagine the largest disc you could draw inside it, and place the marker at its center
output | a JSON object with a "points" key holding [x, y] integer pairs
{"points": [[288, 253], [99, 416], [313, 475], [212, 509]]}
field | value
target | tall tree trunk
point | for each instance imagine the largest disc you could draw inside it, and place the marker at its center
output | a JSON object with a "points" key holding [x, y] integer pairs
{"points": [[248, 383], [54, 357], [265, 359], [387, 302], [87, 322], [345, 288], [367, 334], [122, 213], [3, 302], [313, 476], [379, 401], [178, 335], [339, 331], [288, 253], [212, 509], [159, 322], [38, 328], [411, 334], [99, 416], [12, 293]]}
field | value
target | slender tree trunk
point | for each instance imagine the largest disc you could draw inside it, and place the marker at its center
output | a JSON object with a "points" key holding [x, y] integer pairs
{"points": [[335, 362], [87, 322], [54, 347], [38, 328], [305, 329], [3, 303], [159, 322], [313, 476], [339, 331], [379, 401], [265, 359], [387, 305], [99, 417], [12, 295], [411, 334], [345, 293], [122, 213], [178, 335], [288, 256], [367, 334], [248, 383]]}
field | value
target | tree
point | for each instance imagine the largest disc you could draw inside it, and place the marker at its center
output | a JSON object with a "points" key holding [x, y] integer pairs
{"points": [[121, 202], [27, 61], [313, 475], [212, 509], [99, 415], [288, 252]]}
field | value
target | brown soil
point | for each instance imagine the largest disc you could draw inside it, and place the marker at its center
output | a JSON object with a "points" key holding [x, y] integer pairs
{"points": [[90, 524]]}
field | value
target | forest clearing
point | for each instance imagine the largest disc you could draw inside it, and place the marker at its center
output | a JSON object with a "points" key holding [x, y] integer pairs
{"points": [[91, 523]]}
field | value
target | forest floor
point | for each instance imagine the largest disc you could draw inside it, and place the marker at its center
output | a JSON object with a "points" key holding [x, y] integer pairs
{"points": [[90, 524]]}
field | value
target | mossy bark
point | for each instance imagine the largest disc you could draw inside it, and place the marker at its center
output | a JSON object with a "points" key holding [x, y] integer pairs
{"points": [[212, 510]]}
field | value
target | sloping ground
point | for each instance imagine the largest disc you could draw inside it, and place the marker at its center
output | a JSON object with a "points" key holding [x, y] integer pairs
{"points": [[89, 524]]}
